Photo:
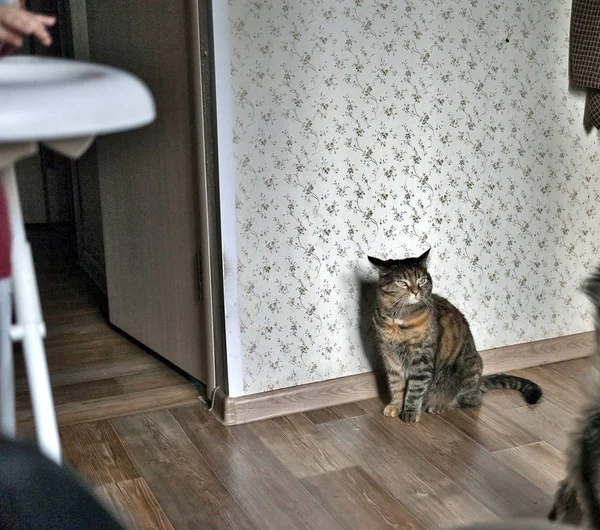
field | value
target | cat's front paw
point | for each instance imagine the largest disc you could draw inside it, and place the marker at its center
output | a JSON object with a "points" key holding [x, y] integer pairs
{"points": [[391, 411], [410, 416]]}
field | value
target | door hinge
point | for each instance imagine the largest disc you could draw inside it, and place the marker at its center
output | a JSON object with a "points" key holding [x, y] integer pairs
{"points": [[199, 275]]}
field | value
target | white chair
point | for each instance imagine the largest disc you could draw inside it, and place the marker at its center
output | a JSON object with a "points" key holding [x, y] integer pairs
{"points": [[64, 105]]}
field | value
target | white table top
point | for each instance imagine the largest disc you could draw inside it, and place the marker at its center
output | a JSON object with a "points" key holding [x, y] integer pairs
{"points": [[44, 99]]}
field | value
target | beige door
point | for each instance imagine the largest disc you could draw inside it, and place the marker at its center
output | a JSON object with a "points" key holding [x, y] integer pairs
{"points": [[148, 183]]}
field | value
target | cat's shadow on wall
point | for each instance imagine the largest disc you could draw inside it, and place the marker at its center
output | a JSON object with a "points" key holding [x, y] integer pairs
{"points": [[367, 298]]}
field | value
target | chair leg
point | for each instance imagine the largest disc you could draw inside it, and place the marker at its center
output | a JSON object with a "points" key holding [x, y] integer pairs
{"points": [[7, 378], [29, 326], [41, 394]]}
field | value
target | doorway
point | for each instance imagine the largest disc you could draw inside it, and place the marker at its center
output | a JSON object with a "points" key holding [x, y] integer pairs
{"points": [[141, 203]]}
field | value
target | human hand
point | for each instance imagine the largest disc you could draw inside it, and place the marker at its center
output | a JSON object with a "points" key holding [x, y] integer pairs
{"points": [[16, 22]]}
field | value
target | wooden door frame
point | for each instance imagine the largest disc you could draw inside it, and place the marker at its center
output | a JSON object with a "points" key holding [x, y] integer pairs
{"points": [[201, 36], [73, 14]]}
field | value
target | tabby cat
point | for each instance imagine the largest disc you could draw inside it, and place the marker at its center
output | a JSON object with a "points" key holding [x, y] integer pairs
{"points": [[427, 347], [577, 500]]}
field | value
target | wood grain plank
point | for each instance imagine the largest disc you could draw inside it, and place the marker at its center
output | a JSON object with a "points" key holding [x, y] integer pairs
{"points": [[557, 388], [432, 498], [555, 414], [185, 486], [339, 412], [268, 492], [95, 451], [503, 399], [76, 392], [540, 463], [79, 372], [119, 405], [103, 345], [300, 446], [493, 484], [60, 327], [132, 502], [546, 421], [490, 428], [355, 500], [577, 370], [88, 322], [73, 351], [162, 377]]}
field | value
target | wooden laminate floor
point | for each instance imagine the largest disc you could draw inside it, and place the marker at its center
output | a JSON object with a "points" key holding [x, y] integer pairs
{"points": [[96, 372], [172, 465]]}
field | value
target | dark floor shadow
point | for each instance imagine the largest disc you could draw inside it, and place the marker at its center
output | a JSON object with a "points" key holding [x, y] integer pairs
{"points": [[368, 296]]}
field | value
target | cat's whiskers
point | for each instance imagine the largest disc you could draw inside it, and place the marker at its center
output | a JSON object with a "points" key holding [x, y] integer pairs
{"points": [[392, 310], [394, 305], [399, 311], [429, 304]]}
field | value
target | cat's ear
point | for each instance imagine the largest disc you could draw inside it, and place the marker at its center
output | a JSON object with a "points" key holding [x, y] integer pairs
{"points": [[423, 258], [382, 265]]}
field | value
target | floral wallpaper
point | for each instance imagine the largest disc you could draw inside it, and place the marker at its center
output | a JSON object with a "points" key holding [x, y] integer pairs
{"points": [[388, 127]]}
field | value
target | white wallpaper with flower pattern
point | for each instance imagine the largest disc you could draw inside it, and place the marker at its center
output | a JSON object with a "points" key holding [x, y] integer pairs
{"points": [[384, 128]]}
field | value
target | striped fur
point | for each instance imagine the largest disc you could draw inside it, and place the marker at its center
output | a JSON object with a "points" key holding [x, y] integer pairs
{"points": [[577, 500], [427, 347]]}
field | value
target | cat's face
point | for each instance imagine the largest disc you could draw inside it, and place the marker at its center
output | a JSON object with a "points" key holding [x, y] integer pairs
{"points": [[405, 280]]}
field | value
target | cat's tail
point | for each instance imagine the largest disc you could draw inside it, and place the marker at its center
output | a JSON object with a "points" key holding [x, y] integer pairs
{"points": [[531, 391]]}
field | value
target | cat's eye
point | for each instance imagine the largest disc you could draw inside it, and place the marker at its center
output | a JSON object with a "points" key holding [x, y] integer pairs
{"points": [[422, 281], [402, 283]]}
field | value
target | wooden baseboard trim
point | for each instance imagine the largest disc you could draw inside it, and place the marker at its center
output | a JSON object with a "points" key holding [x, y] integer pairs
{"points": [[302, 398]]}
